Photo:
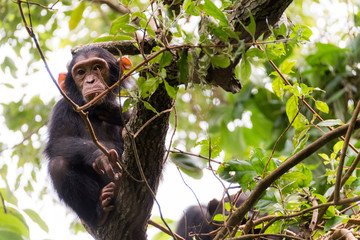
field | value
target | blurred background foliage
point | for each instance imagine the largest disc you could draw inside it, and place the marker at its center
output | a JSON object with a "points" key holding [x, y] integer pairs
{"points": [[244, 127]]}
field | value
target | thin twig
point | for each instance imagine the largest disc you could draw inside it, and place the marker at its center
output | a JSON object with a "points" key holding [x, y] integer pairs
{"points": [[315, 215], [152, 119], [193, 154], [193, 192], [36, 4], [278, 140], [172, 136], [343, 152], [164, 229]]}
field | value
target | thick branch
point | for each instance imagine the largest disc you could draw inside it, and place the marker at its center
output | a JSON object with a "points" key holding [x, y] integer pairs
{"points": [[265, 12], [126, 47], [114, 5]]}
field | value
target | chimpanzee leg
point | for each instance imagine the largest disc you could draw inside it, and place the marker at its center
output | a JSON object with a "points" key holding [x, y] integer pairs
{"points": [[78, 188]]}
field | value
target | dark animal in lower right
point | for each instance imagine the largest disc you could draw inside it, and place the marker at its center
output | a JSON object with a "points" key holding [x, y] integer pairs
{"points": [[197, 220], [198, 223]]}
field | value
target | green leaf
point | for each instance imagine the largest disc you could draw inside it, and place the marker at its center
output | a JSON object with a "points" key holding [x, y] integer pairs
{"points": [[4, 171], [324, 156], [13, 222], [322, 106], [278, 87], [330, 123], [273, 51], [215, 148], [189, 165], [6, 235], [239, 171], [304, 89], [77, 227], [303, 31], [221, 61], [219, 217], [76, 16], [211, 9], [257, 160], [9, 195], [266, 200], [37, 219], [166, 59], [148, 106], [292, 108], [333, 222], [189, 7], [255, 52], [172, 91], [251, 28], [245, 69], [113, 38], [116, 26], [148, 86], [183, 67], [291, 111], [338, 146], [9, 63], [286, 67], [129, 28]]}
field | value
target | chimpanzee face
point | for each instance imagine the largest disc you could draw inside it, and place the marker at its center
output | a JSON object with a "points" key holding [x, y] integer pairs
{"points": [[91, 76]]}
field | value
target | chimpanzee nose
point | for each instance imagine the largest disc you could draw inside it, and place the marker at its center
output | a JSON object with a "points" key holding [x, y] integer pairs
{"points": [[90, 80]]}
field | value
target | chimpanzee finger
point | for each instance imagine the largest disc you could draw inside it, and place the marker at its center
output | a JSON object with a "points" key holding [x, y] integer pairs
{"points": [[108, 168], [97, 169], [113, 156], [117, 178], [109, 208], [106, 202], [108, 194]]}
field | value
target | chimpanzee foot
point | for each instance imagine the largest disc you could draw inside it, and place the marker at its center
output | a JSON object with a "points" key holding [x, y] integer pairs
{"points": [[107, 196]]}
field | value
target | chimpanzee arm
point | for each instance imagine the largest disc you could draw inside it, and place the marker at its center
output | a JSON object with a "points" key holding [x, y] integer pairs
{"points": [[67, 136], [111, 113], [73, 149]]}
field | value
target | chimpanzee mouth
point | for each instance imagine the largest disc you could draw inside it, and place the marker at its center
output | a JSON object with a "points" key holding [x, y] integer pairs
{"points": [[93, 94]]}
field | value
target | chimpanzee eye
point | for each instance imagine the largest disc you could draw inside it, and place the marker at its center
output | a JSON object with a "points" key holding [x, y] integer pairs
{"points": [[97, 67], [80, 72]]}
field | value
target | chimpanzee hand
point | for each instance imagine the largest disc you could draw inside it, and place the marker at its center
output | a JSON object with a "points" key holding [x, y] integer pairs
{"points": [[110, 113], [104, 164]]}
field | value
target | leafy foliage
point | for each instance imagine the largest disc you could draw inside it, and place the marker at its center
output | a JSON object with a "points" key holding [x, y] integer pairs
{"points": [[285, 91]]}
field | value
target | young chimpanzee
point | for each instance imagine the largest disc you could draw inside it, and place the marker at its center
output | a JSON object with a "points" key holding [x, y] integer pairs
{"points": [[197, 220], [82, 175]]}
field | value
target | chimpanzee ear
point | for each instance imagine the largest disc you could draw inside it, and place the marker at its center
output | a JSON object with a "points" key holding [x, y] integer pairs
{"points": [[213, 206], [61, 81], [124, 63]]}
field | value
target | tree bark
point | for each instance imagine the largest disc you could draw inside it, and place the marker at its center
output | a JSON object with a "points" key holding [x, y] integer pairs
{"points": [[135, 201]]}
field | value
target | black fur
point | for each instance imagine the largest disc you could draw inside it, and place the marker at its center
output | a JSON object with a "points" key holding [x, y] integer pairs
{"points": [[198, 224], [70, 149]]}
